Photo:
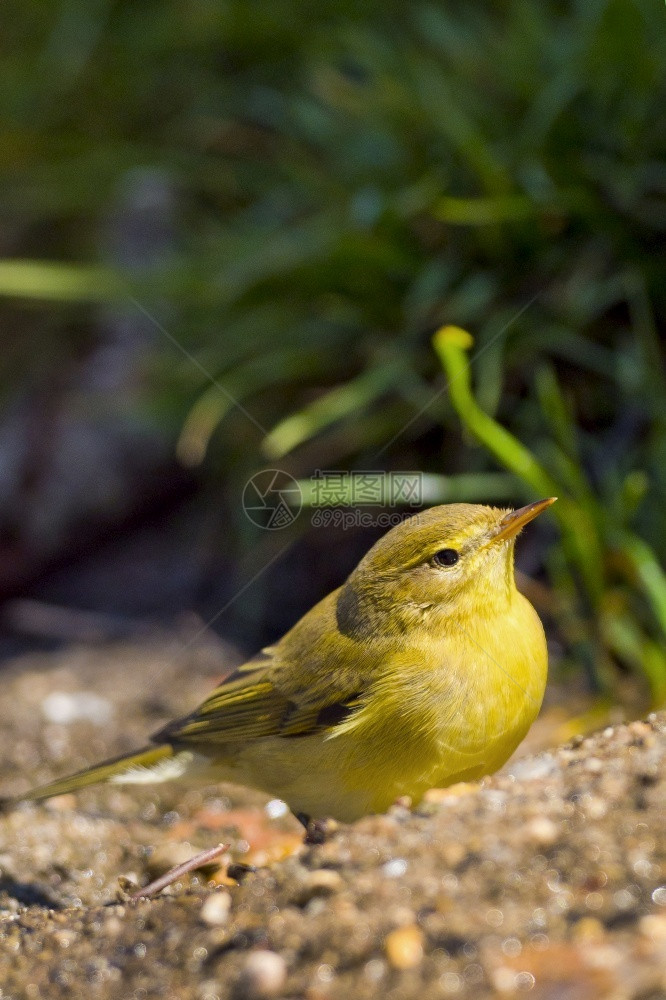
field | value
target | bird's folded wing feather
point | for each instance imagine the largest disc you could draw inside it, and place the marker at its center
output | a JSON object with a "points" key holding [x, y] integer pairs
{"points": [[249, 704]]}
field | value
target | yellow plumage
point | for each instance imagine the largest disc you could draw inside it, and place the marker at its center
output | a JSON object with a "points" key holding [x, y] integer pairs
{"points": [[425, 668]]}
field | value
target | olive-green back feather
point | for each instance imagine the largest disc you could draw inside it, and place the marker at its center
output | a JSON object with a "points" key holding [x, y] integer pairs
{"points": [[250, 704]]}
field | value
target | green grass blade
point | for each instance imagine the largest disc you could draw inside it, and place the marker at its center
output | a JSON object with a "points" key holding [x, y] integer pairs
{"points": [[48, 280]]}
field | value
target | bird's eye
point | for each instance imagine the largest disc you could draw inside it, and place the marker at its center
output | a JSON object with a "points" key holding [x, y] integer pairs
{"points": [[446, 557]]}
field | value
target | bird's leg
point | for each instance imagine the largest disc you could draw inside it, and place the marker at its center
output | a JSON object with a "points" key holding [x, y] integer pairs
{"points": [[317, 831]]}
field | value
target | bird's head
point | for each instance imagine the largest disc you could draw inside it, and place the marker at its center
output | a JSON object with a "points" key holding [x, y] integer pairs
{"points": [[453, 559]]}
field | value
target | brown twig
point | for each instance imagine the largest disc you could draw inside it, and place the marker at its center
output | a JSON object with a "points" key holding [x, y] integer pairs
{"points": [[198, 861]]}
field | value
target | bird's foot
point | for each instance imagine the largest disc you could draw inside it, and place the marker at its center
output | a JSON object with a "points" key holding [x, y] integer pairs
{"points": [[317, 831]]}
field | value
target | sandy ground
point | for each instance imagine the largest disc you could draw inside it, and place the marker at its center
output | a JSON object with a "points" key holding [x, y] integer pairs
{"points": [[548, 880]]}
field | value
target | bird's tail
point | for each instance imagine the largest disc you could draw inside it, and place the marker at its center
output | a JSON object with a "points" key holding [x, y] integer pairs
{"points": [[150, 764]]}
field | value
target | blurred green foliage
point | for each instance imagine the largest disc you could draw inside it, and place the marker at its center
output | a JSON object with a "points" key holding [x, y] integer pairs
{"points": [[347, 179]]}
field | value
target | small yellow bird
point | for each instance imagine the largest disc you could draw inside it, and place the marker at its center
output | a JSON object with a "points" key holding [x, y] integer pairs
{"points": [[425, 668]]}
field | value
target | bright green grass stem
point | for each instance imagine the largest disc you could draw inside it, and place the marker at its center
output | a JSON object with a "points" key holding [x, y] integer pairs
{"points": [[588, 536], [451, 344]]}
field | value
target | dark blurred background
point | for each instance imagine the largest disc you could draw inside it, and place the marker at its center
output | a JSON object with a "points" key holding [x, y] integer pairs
{"points": [[229, 231]]}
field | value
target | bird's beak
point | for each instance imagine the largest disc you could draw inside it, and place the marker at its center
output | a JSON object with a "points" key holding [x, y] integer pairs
{"points": [[514, 521]]}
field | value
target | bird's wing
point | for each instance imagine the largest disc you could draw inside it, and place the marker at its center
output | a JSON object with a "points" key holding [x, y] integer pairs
{"points": [[249, 704]]}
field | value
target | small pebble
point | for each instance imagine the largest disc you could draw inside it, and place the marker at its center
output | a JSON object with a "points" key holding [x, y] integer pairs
{"points": [[215, 910], [276, 808], [453, 853], [541, 830], [263, 975], [504, 979], [63, 708], [659, 896], [395, 868], [375, 969], [457, 791], [532, 768], [210, 989], [653, 925], [322, 882], [64, 938], [588, 929], [404, 947], [595, 807], [61, 803]]}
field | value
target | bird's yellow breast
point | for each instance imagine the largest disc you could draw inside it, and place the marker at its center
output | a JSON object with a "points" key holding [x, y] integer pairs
{"points": [[451, 710]]}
